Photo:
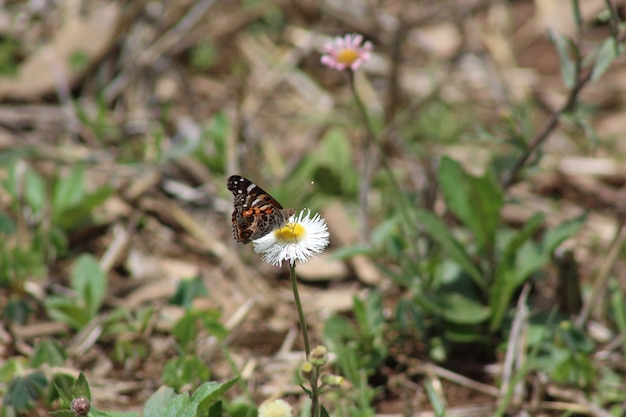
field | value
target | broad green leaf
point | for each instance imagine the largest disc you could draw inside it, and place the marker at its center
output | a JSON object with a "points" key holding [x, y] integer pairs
{"points": [[440, 233], [456, 307], [34, 190], [23, 392], [565, 47], [66, 311], [554, 237], [89, 282], [185, 329], [72, 216], [337, 329], [164, 403], [476, 201], [507, 278], [70, 190], [187, 290], [158, 401], [607, 53], [531, 226], [177, 407], [212, 323], [48, 352], [533, 257], [335, 150], [210, 392]]}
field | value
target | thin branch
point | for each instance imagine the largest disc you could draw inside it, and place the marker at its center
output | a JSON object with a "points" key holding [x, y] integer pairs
{"points": [[551, 124]]}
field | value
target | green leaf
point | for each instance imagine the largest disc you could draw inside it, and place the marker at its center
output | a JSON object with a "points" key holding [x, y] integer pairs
{"points": [[184, 370], [185, 329], [336, 150], [97, 413], [210, 393], [81, 387], [68, 311], [476, 201], [435, 401], [384, 232], [165, 403], [187, 290], [607, 53], [211, 322], [507, 277], [23, 392], [17, 309], [216, 410], [337, 329], [64, 413], [565, 47], [440, 233], [72, 216], [69, 191], [348, 252], [458, 308], [7, 225], [34, 190], [89, 282], [553, 238], [48, 352], [158, 401]]}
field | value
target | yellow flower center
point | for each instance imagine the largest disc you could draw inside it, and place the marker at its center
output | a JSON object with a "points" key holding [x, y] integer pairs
{"points": [[290, 233], [347, 56]]}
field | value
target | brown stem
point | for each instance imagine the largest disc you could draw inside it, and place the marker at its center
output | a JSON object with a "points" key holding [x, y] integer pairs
{"points": [[551, 124]]}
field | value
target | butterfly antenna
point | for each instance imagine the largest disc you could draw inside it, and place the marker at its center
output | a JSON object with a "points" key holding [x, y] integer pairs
{"points": [[304, 191]]}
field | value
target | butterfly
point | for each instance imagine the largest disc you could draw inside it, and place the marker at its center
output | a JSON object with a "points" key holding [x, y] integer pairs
{"points": [[256, 213]]}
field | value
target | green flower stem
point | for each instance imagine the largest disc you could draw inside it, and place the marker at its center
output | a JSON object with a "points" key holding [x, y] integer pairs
{"points": [[296, 296], [315, 395], [315, 403], [371, 137]]}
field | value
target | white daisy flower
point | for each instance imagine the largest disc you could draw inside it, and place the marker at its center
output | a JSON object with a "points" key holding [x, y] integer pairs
{"points": [[301, 238]]}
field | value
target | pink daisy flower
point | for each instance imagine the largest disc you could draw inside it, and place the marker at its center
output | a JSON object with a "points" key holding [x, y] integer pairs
{"points": [[346, 52]]}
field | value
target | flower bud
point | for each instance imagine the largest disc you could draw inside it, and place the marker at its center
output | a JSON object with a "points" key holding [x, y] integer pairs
{"points": [[81, 406], [306, 371], [332, 381], [319, 356]]}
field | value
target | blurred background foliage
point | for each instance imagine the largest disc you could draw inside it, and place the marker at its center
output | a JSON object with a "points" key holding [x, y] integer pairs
{"points": [[474, 267]]}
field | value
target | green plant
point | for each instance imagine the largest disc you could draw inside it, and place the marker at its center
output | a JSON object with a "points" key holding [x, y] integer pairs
{"points": [[23, 383], [188, 368], [89, 284], [206, 400], [361, 349], [35, 228]]}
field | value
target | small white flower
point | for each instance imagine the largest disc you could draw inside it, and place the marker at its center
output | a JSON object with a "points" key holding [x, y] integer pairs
{"points": [[301, 238], [275, 408]]}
